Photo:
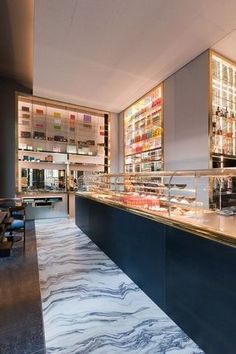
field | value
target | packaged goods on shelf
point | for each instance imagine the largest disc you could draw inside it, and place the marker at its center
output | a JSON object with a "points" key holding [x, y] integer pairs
{"points": [[45, 126], [25, 108], [143, 131]]}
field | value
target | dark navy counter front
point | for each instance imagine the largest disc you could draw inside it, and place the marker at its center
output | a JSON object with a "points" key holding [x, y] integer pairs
{"points": [[190, 277]]}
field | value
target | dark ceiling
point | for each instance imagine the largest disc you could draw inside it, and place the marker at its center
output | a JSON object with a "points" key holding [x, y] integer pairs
{"points": [[16, 40]]}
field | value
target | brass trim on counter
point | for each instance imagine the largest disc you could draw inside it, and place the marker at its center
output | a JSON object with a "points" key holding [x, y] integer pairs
{"points": [[198, 230], [211, 172], [29, 193]]}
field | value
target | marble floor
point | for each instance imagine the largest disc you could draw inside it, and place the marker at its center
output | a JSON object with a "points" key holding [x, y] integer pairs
{"points": [[91, 306]]}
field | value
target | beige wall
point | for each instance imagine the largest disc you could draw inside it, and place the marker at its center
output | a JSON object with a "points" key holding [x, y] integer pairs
{"points": [[116, 142], [186, 116]]}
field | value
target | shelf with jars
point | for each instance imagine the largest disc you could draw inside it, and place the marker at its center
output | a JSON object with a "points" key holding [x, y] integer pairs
{"points": [[143, 126]]}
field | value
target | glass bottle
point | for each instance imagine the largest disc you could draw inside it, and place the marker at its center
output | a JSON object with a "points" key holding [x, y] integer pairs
{"points": [[218, 111]]}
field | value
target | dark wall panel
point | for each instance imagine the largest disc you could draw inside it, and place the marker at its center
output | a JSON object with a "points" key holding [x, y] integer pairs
{"points": [[82, 215], [201, 290], [135, 244], [8, 88]]}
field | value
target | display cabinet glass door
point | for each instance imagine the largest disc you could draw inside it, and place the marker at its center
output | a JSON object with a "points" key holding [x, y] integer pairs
{"points": [[42, 180]]}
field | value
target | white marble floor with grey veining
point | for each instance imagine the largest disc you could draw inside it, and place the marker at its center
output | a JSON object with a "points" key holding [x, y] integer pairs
{"points": [[91, 306]]}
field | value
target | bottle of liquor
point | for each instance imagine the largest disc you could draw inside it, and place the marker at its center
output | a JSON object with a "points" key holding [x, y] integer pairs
{"points": [[214, 128], [229, 184], [226, 113], [218, 111]]}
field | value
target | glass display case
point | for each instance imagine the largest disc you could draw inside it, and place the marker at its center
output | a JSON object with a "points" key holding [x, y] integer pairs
{"points": [[143, 126], [192, 197]]}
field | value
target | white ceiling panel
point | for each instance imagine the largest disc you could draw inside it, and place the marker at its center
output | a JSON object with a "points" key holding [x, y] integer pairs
{"points": [[107, 53], [227, 46]]}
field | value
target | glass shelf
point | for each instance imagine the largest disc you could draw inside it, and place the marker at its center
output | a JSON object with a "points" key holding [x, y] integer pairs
{"points": [[143, 131], [191, 195]]}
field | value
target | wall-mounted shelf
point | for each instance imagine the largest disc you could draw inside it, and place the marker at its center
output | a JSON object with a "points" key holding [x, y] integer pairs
{"points": [[63, 140], [143, 126]]}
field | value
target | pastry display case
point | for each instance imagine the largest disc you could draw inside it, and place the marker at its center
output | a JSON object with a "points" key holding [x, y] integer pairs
{"points": [[57, 143], [143, 137], [185, 196]]}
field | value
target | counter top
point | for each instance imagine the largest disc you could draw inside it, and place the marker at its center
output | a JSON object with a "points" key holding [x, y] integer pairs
{"points": [[208, 225], [34, 193]]}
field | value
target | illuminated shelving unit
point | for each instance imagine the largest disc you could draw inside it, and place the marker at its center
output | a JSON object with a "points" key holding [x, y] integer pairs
{"points": [[143, 137], [58, 142], [223, 108]]}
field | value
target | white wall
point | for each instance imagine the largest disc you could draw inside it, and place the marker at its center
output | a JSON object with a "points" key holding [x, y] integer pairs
{"points": [[121, 142]]}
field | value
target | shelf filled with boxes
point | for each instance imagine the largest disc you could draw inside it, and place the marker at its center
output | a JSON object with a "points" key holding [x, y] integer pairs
{"points": [[58, 137]]}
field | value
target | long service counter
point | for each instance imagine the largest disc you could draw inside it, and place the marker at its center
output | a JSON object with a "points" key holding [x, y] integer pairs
{"points": [[187, 267]]}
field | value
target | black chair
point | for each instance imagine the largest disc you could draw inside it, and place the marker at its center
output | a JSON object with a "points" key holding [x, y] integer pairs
{"points": [[15, 224]]}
